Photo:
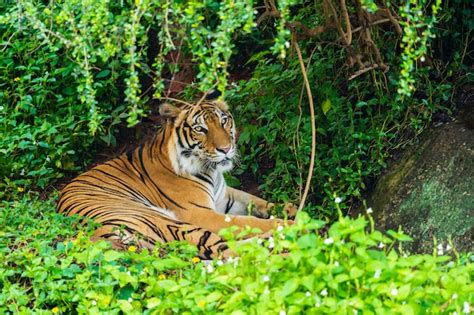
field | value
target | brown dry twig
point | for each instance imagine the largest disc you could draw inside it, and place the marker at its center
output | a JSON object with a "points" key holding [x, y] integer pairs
{"points": [[313, 124]]}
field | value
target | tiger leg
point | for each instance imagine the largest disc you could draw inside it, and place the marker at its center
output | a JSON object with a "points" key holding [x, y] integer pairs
{"points": [[237, 202]]}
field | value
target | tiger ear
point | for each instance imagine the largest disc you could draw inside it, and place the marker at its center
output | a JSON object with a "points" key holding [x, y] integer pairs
{"points": [[169, 111], [222, 105]]}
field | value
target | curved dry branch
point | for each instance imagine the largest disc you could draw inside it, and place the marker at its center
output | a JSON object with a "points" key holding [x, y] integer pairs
{"points": [[313, 124]]}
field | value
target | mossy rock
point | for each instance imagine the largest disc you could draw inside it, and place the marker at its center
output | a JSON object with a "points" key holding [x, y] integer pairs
{"points": [[430, 190]]}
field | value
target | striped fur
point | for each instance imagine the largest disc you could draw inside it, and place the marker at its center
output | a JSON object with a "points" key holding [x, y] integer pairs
{"points": [[171, 188]]}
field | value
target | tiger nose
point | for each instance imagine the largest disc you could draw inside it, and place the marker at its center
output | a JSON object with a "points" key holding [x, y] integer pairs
{"points": [[224, 149]]}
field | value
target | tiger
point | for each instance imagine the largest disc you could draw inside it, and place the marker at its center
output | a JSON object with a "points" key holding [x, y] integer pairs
{"points": [[172, 188]]}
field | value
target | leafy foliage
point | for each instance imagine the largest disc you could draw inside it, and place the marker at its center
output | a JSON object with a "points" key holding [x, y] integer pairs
{"points": [[350, 268]]}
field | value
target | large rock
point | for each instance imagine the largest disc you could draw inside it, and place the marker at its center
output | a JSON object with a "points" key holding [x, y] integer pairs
{"points": [[430, 190]]}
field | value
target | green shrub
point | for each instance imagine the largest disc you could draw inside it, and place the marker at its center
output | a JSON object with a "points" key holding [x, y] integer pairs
{"points": [[347, 269]]}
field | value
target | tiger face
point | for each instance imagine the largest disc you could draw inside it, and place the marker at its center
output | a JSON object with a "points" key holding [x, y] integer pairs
{"points": [[205, 136]]}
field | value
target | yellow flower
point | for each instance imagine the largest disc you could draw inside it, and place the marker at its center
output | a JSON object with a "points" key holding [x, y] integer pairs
{"points": [[132, 249], [16, 79], [201, 304], [196, 260], [162, 277], [21, 189], [55, 310]]}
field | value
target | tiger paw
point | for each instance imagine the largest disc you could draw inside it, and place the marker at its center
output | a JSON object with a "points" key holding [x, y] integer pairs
{"points": [[290, 209]]}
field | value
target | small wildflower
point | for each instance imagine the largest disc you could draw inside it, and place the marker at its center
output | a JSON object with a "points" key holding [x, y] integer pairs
{"points": [[317, 304], [210, 269], [201, 304], [130, 300], [377, 273], [287, 44], [55, 310], [381, 245], [466, 308], [324, 292], [271, 245], [16, 79], [196, 260], [308, 293], [220, 263], [394, 291], [448, 247], [21, 189], [272, 217], [355, 312], [227, 218], [132, 249], [162, 277], [369, 210], [336, 264], [337, 200], [280, 228], [455, 313], [94, 302], [129, 273], [282, 312], [328, 241], [454, 296], [266, 278], [259, 241], [422, 59]]}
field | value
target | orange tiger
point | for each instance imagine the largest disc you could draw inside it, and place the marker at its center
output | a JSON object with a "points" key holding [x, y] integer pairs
{"points": [[172, 187]]}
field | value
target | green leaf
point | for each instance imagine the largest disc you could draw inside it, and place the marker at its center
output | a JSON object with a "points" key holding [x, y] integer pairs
{"points": [[290, 286], [112, 255], [326, 106]]}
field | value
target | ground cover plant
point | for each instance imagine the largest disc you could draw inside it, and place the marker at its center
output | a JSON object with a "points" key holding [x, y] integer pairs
{"points": [[73, 72], [350, 268]]}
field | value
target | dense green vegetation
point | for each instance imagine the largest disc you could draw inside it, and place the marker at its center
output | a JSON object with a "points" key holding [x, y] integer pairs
{"points": [[73, 72], [347, 269]]}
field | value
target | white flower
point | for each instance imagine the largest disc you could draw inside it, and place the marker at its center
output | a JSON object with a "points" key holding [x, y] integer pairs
{"points": [[280, 228], [381, 245], [130, 299], [466, 308], [336, 264], [128, 273], [440, 252], [94, 302], [210, 269], [394, 291], [271, 245], [377, 273], [220, 263], [259, 241], [454, 296], [317, 304], [355, 312], [282, 312], [440, 247], [455, 313], [324, 292], [328, 241], [448, 247], [266, 291], [266, 278], [230, 259], [337, 200], [308, 293], [272, 217], [422, 59], [227, 218], [287, 44], [369, 210]]}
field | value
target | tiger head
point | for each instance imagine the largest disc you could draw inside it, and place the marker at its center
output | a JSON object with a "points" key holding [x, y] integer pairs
{"points": [[204, 136]]}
